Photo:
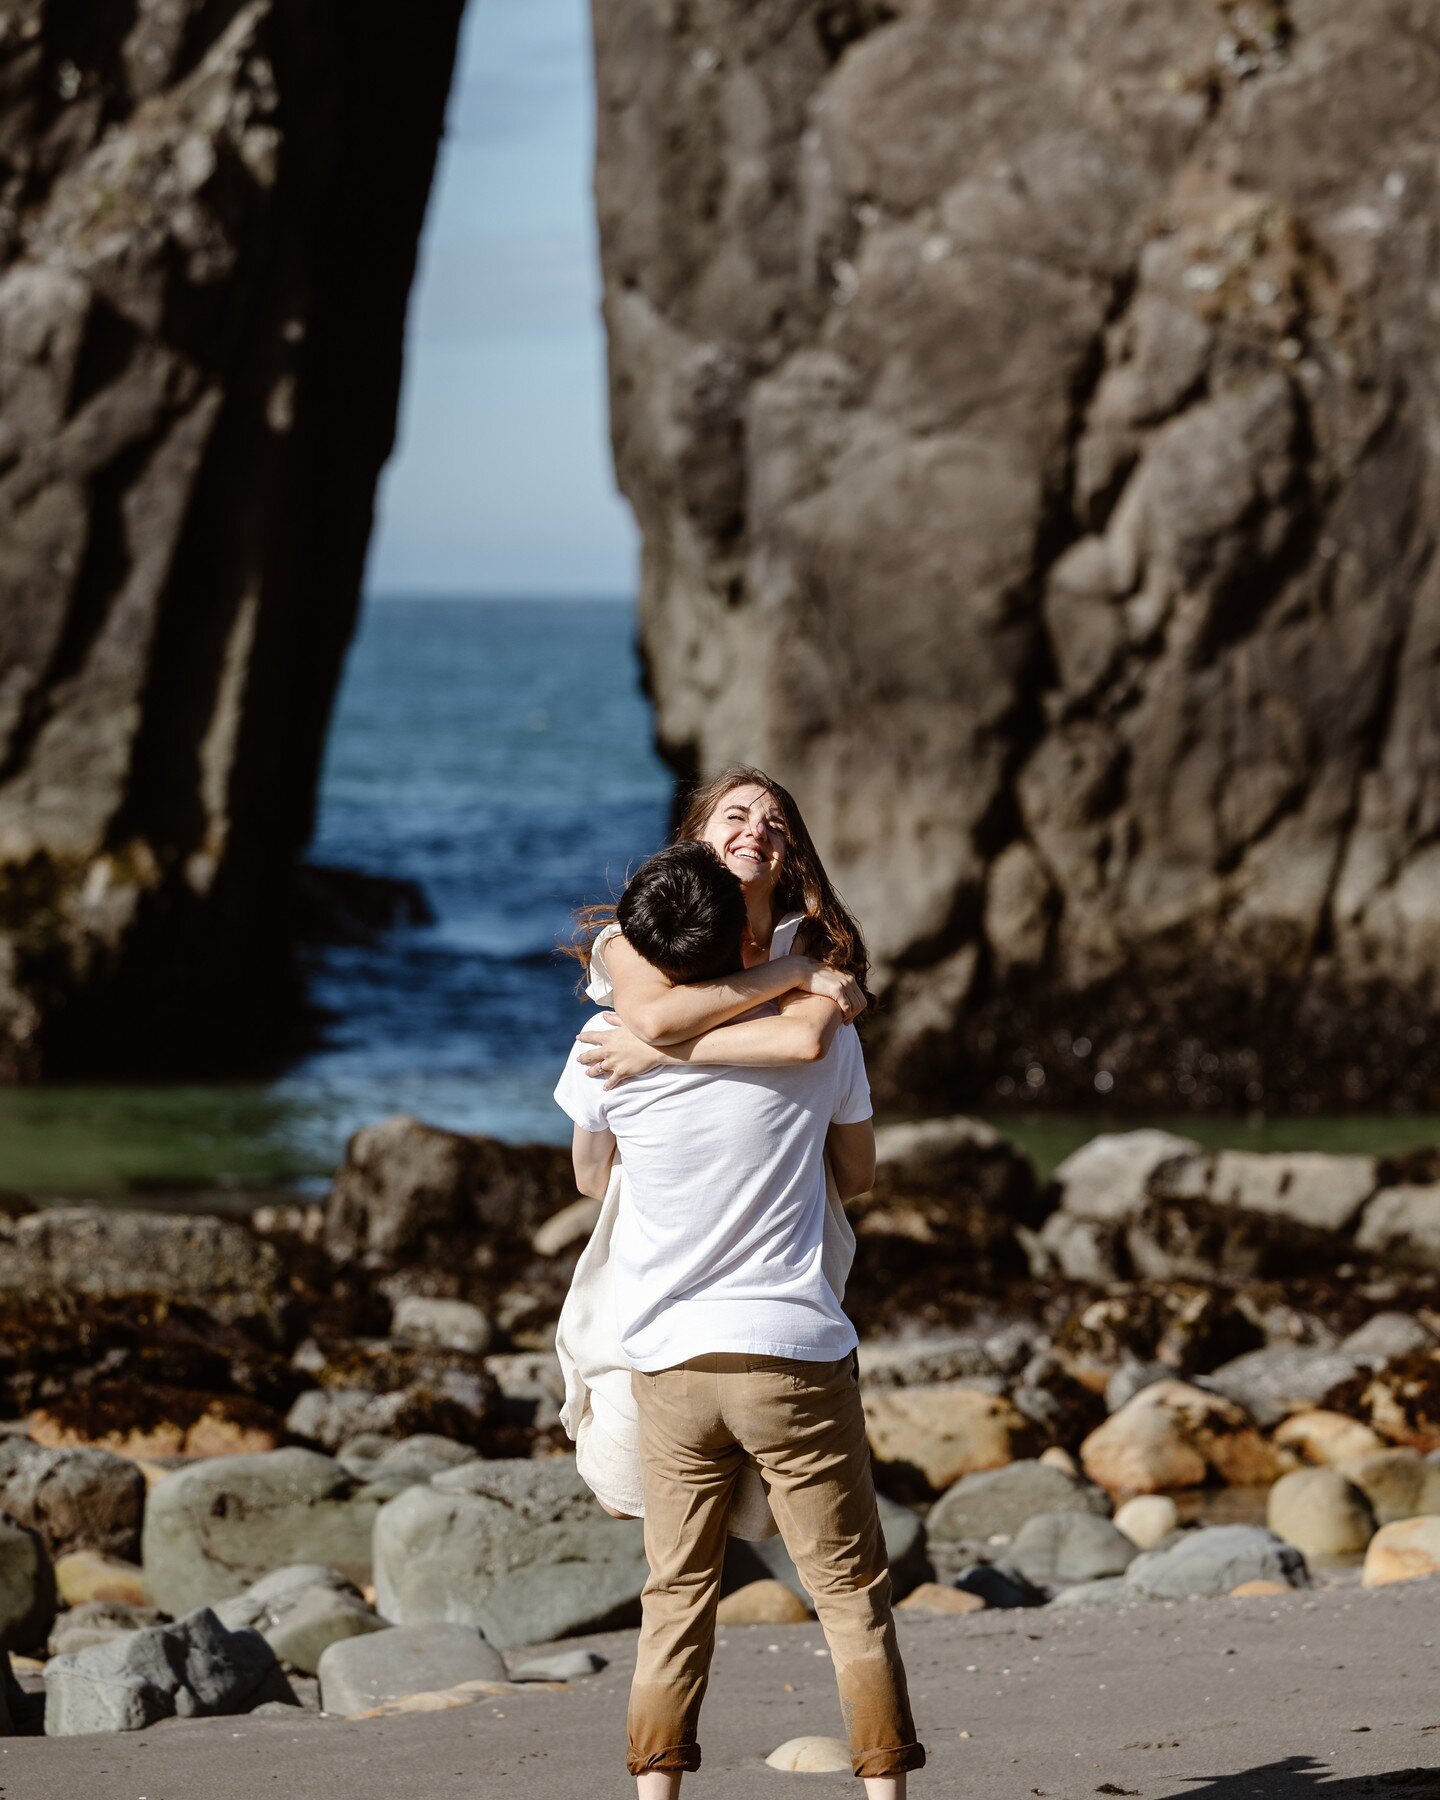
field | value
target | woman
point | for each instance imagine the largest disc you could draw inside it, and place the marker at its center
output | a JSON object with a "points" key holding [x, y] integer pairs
{"points": [[801, 937], [755, 828]]}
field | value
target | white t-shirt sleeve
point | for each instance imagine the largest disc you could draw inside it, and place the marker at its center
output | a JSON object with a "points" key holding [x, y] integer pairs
{"points": [[852, 1085], [579, 1095]]}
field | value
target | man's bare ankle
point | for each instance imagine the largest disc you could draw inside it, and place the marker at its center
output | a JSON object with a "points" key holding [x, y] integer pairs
{"points": [[885, 1787], [657, 1784]]}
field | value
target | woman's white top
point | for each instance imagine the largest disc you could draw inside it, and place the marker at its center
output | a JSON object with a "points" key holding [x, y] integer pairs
{"points": [[599, 1410]]}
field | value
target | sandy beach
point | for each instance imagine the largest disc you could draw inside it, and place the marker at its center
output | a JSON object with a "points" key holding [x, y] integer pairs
{"points": [[1235, 1699]]}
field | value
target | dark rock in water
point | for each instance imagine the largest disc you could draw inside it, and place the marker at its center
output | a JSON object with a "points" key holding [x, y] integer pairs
{"points": [[1401, 1400], [349, 906], [192, 1669], [75, 1499], [27, 1588], [1033, 396], [205, 257], [1000, 1585]]}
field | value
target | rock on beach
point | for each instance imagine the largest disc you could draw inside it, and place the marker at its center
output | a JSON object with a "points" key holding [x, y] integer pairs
{"points": [[1320, 1512], [1215, 1560], [1175, 1435], [362, 1672], [75, 1499], [999, 1501], [940, 1431], [1406, 1550]]}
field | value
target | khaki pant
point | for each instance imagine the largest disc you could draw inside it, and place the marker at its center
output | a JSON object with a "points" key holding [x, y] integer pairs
{"points": [[801, 1423]]}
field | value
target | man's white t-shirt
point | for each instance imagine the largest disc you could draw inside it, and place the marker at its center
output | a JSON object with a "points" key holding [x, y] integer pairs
{"points": [[718, 1243]]}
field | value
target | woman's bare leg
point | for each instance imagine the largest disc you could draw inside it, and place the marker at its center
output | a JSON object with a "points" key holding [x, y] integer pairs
{"points": [[658, 1784]]}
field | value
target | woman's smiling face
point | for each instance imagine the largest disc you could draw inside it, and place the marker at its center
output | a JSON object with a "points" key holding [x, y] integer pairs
{"points": [[746, 829]]}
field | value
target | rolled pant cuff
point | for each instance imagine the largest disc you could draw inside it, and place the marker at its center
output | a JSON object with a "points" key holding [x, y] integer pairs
{"points": [[680, 1759], [897, 1761]]}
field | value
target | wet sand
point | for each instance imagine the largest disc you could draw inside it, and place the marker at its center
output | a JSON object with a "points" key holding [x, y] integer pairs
{"points": [[1335, 1693]]}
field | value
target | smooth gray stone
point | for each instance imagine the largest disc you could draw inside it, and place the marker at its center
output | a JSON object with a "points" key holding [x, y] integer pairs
{"points": [[191, 1669], [1084, 1593], [360, 1672], [1280, 1379], [76, 1499], [516, 1547], [1213, 1561], [213, 1528], [903, 1531], [1132, 1378], [300, 1612], [1385, 1336], [997, 1502], [1055, 1548], [562, 1665], [27, 1588]]}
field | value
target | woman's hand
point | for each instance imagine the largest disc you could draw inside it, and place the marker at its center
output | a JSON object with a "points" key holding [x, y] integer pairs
{"points": [[836, 985], [618, 1055]]}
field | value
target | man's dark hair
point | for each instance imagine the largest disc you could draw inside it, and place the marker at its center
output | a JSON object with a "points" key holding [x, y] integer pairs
{"points": [[685, 912]]}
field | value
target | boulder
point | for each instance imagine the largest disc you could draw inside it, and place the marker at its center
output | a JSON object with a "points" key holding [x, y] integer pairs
{"points": [[1405, 1550], [517, 1548], [1315, 1192], [1215, 1560], [27, 1588], [1281, 1379], [1131, 1377], [1399, 1484], [943, 1430], [1109, 1177], [213, 1528], [382, 1388], [1321, 1436], [446, 1324], [1320, 1512], [932, 1597], [97, 1622], [88, 1575], [411, 1192], [383, 1460], [300, 1611], [762, 1603], [109, 1254], [902, 1530], [1054, 1549], [1384, 1337], [1173, 1435], [361, 1672], [75, 1499], [998, 1502], [1401, 1226], [194, 1668], [1147, 1519], [1076, 1249]]}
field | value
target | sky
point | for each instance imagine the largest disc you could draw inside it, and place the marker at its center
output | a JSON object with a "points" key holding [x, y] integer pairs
{"points": [[501, 480]]}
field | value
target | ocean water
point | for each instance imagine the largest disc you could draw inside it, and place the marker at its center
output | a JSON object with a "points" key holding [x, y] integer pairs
{"points": [[499, 753]]}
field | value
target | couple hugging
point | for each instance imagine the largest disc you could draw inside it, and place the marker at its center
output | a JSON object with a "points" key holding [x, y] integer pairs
{"points": [[711, 1374]]}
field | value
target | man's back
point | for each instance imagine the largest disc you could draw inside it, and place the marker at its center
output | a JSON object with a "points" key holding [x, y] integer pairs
{"points": [[719, 1241]]}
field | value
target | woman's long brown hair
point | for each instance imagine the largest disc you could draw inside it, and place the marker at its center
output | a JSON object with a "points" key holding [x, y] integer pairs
{"points": [[830, 933]]}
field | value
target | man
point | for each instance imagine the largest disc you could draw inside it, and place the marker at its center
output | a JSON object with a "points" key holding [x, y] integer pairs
{"points": [[738, 1345]]}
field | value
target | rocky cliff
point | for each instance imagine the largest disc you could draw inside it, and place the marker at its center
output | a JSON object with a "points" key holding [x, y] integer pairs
{"points": [[1031, 411], [208, 220]]}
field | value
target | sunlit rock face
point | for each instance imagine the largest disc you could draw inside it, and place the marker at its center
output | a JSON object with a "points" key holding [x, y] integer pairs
{"points": [[208, 220], [1031, 412]]}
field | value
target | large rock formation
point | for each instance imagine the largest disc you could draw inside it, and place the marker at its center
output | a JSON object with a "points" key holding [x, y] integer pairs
{"points": [[1030, 408], [208, 220]]}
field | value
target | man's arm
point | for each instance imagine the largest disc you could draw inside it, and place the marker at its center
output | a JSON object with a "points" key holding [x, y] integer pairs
{"points": [[592, 1153], [851, 1149]]}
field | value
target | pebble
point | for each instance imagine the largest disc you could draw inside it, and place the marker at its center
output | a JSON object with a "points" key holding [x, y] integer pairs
{"points": [[762, 1603]]}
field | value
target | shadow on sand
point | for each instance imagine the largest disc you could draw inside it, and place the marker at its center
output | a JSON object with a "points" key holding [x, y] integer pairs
{"points": [[1303, 1778]]}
